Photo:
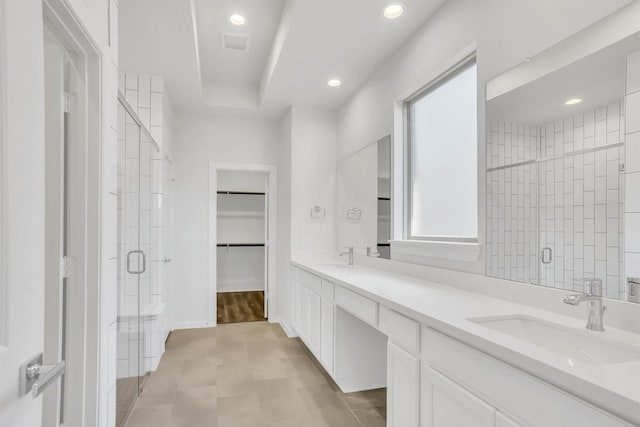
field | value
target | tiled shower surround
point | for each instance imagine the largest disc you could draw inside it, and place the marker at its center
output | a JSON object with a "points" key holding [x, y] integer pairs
{"points": [[559, 186], [140, 225]]}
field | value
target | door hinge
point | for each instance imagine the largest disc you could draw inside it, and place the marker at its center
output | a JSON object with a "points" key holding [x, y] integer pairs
{"points": [[70, 102], [68, 267]]}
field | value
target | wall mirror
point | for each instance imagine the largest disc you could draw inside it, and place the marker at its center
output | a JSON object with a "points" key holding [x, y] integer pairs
{"points": [[555, 173], [364, 200]]}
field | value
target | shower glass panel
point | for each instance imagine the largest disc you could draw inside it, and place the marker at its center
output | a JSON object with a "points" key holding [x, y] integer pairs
{"points": [[138, 209]]}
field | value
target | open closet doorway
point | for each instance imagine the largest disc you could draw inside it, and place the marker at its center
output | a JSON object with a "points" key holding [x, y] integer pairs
{"points": [[242, 242]]}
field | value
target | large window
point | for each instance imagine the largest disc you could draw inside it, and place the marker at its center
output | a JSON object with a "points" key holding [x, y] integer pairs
{"points": [[442, 158]]}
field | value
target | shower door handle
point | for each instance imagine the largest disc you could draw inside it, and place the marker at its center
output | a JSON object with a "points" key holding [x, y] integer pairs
{"points": [[547, 255], [144, 262]]}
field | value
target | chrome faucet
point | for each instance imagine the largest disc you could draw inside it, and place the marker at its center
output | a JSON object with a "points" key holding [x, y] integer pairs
{"points": [[348, 251], [593, 294]]}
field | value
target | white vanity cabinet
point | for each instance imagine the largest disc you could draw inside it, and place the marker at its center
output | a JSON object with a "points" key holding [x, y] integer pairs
{"points": [[403, 387], [446, 404], [327, 322], [308, 307], [432, 379], [314, 315], [403, 368], [455, 375]]}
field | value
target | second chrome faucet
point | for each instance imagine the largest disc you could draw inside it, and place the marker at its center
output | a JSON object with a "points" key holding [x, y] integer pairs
{"points": [[348, 251], [592, 294]]}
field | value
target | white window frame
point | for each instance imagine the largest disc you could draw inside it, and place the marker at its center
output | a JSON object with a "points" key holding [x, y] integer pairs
{"points": [[434, 84]]}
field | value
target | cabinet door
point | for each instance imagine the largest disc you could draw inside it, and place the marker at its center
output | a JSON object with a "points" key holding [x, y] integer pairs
{"points": [[296, 307], [303, 313], [504, 421], [314, 309], [403, 388], [446, 404], [326, 339]]}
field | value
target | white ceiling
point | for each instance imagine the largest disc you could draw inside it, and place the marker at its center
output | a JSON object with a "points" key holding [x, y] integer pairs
{"points": [[296, 47], [597, 79]]}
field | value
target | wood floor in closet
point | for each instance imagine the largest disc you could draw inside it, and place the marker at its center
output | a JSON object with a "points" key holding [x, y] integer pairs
{"points": [[235, 307]]}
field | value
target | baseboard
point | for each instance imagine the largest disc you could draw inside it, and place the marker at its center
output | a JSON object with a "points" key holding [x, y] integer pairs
{"points": [[192, 325], [291, 333]]}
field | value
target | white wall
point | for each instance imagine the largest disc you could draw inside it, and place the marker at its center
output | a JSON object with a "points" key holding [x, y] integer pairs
{"points": [[307, 177], [506, 32], [198, 140], [313, 181], [283, 271]]}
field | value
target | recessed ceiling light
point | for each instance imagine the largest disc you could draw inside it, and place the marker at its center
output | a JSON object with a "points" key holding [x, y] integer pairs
{"points": [[334, 82], [237, 19], [573, 101], [393, 10]]}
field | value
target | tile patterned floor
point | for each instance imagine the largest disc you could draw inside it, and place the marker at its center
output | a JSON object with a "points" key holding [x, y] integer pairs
{"points": [[248, 375]]}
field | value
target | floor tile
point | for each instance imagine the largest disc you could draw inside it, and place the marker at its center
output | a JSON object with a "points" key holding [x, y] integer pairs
{"points": [[372, 417], [152, 416], [248, 375]]}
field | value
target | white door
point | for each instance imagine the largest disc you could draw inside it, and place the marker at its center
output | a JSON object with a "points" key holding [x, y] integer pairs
{"points": [[446, 404], [403, 388], [326, 331], [21, 207], [314, 309]]}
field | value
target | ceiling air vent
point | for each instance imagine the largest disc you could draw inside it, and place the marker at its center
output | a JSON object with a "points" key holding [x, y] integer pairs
{"points": [[235, 41]]}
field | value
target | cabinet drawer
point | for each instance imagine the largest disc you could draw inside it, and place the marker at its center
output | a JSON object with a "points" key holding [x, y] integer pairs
{"points": [[400, 329], [361, 307], [309, 281], [327, 290], [527, 399]]}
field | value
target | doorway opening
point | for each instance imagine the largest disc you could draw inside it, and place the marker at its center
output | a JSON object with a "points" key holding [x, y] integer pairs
{"points": [[242, 243]]}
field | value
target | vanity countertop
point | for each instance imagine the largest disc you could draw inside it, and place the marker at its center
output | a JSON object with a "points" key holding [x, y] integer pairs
{"points": [[614, 387]]}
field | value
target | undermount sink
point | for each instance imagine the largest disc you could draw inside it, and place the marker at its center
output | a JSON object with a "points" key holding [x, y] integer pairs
{"points": [[576, 345]]}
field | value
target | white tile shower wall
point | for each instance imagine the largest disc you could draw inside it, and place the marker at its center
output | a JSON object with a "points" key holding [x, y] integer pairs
{"points": [[580, 196], [632, 169], [147, 96], [512, 207], [581, 199]]}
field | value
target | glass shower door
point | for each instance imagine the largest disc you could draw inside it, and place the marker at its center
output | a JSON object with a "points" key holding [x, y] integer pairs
{"points": [[131, 265]]}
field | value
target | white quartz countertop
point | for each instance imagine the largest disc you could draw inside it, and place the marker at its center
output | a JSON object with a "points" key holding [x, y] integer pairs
{"points": [[614, 387]]}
